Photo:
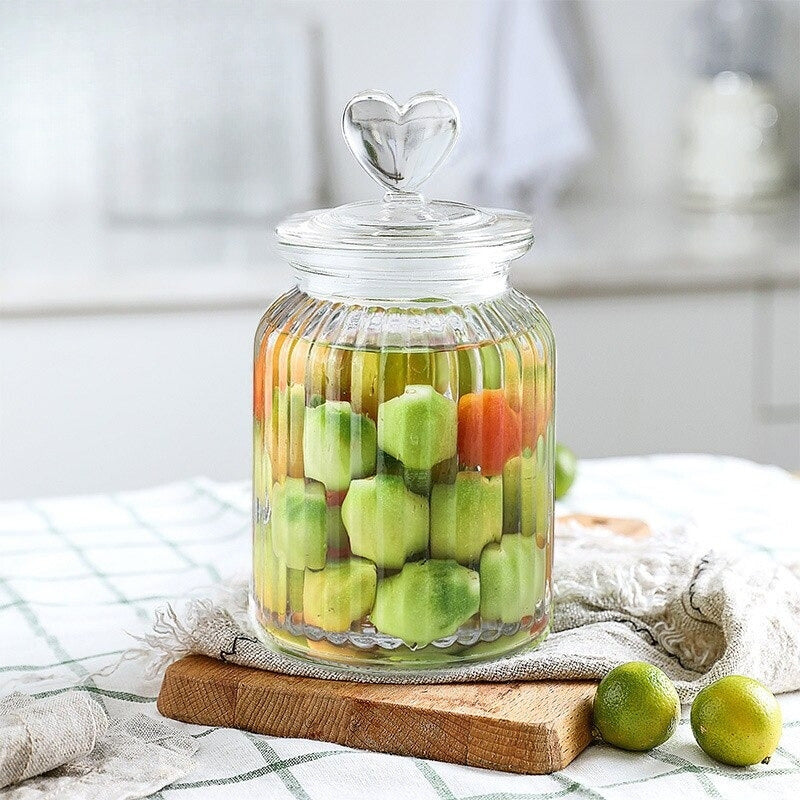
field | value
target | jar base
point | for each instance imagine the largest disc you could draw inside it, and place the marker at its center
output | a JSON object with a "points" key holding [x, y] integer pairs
{"points": [[348, 658]]}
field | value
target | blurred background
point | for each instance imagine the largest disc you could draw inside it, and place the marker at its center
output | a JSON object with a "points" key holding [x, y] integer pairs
{"points": [[148, 148]]}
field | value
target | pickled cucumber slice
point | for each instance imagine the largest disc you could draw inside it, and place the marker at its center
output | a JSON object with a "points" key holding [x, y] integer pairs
{"points": [[380, 376], [512, 578], [338, 543], [262, 482], [385, 522], [340, 594], [299, 535], [426, 601], [418, 481], [269, 571], [445, 471], [288, 416], [526, 501], [466, 516], [388, 465], [419, 427], [492, 366], [338, 445], [294, 589]]}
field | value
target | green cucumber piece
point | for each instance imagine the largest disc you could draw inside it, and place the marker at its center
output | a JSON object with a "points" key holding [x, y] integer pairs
{"points": [[340, 594], [269, 571], [466, 516], [512, 578], [419, 427], [299, 535], [334, 528], [294, 589], [385, 522], [426, 601], [526, 505], [338, 444]]}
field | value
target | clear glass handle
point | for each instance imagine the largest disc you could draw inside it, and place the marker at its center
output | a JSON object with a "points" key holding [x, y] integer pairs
{"points": [[400, 147]]}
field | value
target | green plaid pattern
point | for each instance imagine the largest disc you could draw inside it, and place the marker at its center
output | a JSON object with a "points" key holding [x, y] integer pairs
{"points": [[79, 575]]}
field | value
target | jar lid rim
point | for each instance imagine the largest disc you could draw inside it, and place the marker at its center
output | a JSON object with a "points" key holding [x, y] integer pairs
{"points": [[438, 229]]}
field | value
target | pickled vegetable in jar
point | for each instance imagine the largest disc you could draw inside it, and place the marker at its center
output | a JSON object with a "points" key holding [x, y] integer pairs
{"points": [[403, 421]]}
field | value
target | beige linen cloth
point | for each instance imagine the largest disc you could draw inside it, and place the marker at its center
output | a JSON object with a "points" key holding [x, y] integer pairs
{"points": [[65, 746], [697, 613]]}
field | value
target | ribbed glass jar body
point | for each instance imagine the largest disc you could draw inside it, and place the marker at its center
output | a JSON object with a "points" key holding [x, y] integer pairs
{"points": [[403, 478]]}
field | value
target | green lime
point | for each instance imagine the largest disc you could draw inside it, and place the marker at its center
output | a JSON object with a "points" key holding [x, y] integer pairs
{"points": [[566, 467], [737, 721], [636, 707]]}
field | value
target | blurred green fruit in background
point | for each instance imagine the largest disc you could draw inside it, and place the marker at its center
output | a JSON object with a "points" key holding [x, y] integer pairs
{"points": [[566, 469]]}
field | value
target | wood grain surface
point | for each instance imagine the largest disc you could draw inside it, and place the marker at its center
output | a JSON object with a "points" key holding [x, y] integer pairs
{"points": [[529, 727], [634, 528]]}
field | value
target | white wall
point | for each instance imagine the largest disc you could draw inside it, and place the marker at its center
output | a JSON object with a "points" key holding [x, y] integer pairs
{"points": [[137, 109], [636, 73]]}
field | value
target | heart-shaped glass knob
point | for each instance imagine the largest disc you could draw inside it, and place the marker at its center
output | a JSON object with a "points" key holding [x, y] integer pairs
{"points": [[400, 147]]}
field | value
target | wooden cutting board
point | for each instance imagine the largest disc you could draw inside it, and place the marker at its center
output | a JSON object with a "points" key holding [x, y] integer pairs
{"points": [[533, 727]]}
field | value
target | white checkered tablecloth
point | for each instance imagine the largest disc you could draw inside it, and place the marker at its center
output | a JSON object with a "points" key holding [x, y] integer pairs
{"points": [[79, 574]]}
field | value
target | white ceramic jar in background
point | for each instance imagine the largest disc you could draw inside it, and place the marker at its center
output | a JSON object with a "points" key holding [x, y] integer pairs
{"points": [[731, 150]]}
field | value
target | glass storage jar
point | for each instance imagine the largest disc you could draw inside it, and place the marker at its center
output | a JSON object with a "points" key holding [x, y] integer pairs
{"points": [[403, 421]]}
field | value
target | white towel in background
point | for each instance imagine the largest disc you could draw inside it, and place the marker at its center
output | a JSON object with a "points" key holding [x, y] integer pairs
{"points": [[524, 129]]}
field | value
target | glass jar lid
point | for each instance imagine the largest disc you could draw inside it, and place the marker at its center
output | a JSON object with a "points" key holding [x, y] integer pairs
{"points": [[400, 147]]}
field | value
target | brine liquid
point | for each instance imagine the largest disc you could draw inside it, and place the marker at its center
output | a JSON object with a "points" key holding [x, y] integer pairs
{"points": [[403, 499]]}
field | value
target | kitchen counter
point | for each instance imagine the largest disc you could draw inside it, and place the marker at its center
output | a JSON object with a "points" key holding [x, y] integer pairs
{"points": [[648, 248], [582, 250]]}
